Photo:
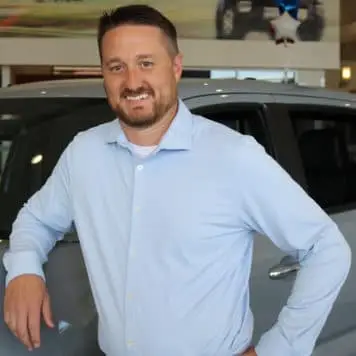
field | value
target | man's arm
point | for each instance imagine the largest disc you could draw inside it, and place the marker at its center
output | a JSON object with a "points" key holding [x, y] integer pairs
{"points": [[39, 225], [276, 206], [41, 222]]}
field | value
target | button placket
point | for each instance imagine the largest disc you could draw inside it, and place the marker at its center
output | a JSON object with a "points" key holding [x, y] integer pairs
{"points": [[132, 268]]}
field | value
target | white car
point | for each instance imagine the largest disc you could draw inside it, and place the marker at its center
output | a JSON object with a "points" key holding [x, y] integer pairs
{"points": [[310, 132]]}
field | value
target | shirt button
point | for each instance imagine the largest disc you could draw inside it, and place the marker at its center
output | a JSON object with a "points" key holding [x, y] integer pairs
{"points": [[140, 167], [130, 343]]}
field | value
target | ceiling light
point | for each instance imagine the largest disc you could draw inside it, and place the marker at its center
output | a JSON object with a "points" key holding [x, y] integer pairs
{"points": [[346, 73]]}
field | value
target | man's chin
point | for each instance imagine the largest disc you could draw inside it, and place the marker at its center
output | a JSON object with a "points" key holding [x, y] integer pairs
{"points": [[138, 111], [139, 122]]}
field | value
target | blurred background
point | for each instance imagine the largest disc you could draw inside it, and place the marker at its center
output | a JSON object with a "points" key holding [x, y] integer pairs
{"points": [[53, 39]]}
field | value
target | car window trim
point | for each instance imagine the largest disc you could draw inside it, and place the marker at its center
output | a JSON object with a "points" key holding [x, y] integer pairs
{"points": [[286, 146], [260, 106]]}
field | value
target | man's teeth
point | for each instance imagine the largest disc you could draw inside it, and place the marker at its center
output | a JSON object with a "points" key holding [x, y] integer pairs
{"points": [[138, 97]]}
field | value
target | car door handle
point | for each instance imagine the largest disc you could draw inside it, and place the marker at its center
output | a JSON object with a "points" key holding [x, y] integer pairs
{"points": [[285, 268]]}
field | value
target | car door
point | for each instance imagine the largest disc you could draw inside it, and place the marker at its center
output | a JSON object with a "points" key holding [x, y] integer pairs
{"points": [[32, 157], [252, 114], [325, 134]]}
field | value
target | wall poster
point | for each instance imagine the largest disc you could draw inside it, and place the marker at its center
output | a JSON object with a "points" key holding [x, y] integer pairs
{"points": [[240, 25]]}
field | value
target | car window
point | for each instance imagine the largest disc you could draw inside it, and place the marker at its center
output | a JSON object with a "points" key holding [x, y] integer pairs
{"points": [[37, 148], [247, 119], [22, 175], [327, 143]]}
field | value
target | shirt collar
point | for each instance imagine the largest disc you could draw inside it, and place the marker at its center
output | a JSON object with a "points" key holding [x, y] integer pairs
{"points": [[178, 136]]}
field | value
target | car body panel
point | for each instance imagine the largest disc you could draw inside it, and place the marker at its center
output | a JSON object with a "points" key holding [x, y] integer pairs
{"points": [[340, 102], [188, 88], [74, 313]]}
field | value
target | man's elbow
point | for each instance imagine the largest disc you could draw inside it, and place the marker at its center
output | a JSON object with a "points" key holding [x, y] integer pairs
{"points": [[344, 257], [339, 251], [333, 251]]}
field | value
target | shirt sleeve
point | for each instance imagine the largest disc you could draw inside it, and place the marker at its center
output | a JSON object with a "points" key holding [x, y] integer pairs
{"points": [[40, 223], [276, 206]]}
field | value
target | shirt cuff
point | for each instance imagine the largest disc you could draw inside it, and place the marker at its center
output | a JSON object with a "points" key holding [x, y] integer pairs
{"points": [[20, 263], [273, 343]]}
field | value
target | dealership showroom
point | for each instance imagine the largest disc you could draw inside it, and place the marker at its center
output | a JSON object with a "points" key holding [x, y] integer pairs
{"points": [[177, 178]]}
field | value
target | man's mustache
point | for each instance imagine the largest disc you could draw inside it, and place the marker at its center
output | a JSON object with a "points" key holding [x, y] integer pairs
{"points": [[135, 92]]}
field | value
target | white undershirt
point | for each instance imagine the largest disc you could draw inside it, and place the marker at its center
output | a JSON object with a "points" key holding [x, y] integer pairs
{"points": [[142, 151]]}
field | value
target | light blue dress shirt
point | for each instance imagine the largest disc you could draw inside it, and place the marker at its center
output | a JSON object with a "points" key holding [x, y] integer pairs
{"points": [[168, 240]]}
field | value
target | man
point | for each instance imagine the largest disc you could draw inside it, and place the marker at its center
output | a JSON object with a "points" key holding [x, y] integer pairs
{"points": [[166, 204]]}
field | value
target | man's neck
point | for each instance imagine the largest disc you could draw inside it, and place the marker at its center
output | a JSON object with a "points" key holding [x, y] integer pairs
{"points": [[151, 136]]}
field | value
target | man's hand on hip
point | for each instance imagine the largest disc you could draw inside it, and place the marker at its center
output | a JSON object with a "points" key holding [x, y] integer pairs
{"points": [[26, 299], [250, 352]]}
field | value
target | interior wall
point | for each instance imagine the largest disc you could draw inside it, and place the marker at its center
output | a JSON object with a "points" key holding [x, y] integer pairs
{"points": [[311, 78], [6, 78], [197, 54]]}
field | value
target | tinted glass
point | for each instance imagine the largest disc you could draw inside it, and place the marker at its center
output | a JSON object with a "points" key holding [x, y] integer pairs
{"points": [[327, 143], [244, 118]]}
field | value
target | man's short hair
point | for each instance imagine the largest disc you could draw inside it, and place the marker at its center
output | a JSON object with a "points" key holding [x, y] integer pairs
{"points": [[137, 15]]}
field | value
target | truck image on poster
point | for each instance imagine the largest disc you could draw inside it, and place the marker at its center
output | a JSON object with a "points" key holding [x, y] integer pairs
{"points": [[194, 19], [235, 19]]}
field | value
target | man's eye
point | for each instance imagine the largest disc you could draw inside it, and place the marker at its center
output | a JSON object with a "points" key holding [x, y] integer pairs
{"points": [[116, 68], [146, 64]]}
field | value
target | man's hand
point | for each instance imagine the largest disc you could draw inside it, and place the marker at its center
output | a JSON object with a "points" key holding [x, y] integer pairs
{"points": [[26, 298], [250, 352]]}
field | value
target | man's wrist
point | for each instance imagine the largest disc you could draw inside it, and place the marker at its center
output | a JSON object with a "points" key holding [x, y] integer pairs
{"points": [[250, 351]]}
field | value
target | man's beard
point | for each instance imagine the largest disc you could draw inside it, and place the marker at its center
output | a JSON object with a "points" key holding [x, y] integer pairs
{"points": [[143, 121], [139, 121]]}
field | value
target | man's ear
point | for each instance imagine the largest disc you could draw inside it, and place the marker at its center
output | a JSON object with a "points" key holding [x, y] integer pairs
{"points": [[178, 66]]}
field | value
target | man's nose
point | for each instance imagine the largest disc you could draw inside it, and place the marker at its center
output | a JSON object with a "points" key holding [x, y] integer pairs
{"points": [[133, 80]]}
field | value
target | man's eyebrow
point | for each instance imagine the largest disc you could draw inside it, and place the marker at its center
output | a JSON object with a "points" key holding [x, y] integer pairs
{"points": [[118, 60], [113, 60]]}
